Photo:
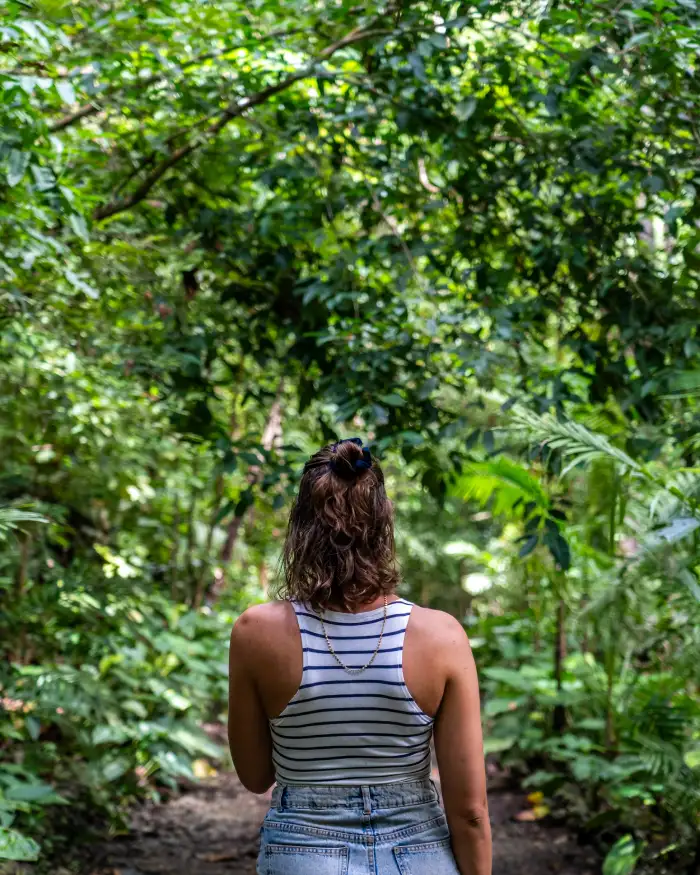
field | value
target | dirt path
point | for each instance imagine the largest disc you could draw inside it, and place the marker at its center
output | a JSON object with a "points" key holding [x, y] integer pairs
{"points": [[212, 829]]}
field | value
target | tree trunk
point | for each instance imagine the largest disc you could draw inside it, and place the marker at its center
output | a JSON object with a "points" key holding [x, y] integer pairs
{"points": [[231, 537], [559, 717]]}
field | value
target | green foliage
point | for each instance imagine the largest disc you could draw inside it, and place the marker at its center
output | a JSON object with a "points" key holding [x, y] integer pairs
{"points": [[512, 488], [623, 857], [11, 518], [120, 710], [228, 238]]}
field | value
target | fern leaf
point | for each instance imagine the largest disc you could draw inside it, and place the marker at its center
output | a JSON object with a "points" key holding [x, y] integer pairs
{"points": [[571, 439]]}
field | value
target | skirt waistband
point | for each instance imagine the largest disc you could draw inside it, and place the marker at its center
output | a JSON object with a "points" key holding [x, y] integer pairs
{"points": [[365, 798]]}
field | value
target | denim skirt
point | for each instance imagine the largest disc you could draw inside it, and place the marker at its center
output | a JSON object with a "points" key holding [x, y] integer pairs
{"points": [[388, 829]]}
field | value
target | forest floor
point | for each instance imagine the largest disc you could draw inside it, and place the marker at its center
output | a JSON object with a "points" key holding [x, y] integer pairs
{"points": [[212, 828]]}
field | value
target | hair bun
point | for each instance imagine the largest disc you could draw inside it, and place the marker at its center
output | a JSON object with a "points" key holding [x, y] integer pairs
{"points": [[350, 458]]}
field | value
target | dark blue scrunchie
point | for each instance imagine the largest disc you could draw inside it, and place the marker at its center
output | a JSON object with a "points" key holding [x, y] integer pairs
{"points": [[363, 464]]}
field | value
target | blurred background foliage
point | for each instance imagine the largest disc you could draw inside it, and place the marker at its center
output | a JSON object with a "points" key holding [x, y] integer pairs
{"points": [[469, 231]]}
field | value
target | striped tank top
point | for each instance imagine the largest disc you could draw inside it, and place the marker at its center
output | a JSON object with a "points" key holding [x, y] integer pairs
{"points": [[352, 729]]}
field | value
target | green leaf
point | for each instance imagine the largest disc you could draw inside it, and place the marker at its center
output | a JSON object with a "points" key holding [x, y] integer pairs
{"points": [[498, 745], [37, 793], [528, 546], [79, 225], [115, 768], [195, 742], [416, 62], [65, 91], [393, 399], [494, 707], [108, 734], [176, 700], [80, 285], [33, 727], [43, 177], [623, 857], [465, 109], [509, 677], [135, 707], [17, 166], [637, 40], [16, 846], [559, 548]]}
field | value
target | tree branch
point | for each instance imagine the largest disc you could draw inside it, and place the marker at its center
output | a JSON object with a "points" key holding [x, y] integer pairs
{"points": [[232, 111], [91, 108], [425, 179]]}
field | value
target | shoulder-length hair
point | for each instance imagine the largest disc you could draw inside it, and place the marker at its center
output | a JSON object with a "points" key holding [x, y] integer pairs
{"points": [[339, 550]]}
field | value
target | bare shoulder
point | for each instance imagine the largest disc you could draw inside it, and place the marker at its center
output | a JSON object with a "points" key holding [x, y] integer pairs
{"points": [[439, 630], [261, 625]]}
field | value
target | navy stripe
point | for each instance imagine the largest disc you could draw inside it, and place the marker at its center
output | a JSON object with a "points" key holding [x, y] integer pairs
{"points": [[420, 744], [354, 710], [352, 637], [276, 732], [350, 681], [358, 623], [348, 696], [342, 756], [335, 768], [349, 722], [347, 652]]}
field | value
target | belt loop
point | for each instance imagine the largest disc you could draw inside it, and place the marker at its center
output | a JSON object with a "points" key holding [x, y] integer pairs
{"points": [[366, 800]]}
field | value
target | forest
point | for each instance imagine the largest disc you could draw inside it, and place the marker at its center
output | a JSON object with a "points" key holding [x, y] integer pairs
{"points": [[467, 231]]}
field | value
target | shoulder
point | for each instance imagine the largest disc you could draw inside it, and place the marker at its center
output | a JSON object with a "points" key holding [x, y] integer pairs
{"points": [[262, 625], [438, 630]]}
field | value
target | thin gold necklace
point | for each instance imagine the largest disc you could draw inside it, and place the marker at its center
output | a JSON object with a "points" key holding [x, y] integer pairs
{"points": [[372, 657]]}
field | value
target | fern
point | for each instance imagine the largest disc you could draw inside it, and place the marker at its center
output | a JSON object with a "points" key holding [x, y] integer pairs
{"points": [[508, 484], [571, 439]]}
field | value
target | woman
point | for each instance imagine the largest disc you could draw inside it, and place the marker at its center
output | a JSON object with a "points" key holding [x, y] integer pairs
{"points": [[337, 690]]}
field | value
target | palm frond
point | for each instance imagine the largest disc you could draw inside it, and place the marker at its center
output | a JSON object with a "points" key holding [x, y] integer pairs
{"points": [[509, 485], [571, 439]]}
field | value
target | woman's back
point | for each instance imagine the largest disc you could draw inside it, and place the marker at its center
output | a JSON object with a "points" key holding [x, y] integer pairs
{"points": [[352, 720]]}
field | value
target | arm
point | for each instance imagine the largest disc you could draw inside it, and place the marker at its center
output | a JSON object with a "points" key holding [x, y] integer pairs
{"points": [[248, 728], [460, 755]]}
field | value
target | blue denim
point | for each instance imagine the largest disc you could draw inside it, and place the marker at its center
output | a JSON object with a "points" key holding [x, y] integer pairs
{"points": [[388, 829]]}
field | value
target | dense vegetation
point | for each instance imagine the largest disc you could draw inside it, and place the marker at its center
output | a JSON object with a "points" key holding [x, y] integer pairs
{"points": [[469, 231]]}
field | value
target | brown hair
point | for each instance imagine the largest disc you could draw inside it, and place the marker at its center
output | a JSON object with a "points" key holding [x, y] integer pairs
{"points": [[339, 549]]}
